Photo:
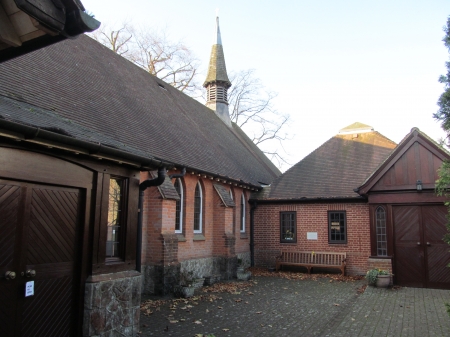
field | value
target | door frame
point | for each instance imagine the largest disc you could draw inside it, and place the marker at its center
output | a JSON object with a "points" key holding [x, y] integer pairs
{"points": [[23, 165]]}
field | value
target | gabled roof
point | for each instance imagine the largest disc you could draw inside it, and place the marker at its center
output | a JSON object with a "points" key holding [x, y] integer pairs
{"points": [[92, 94], [224, 195], [420, 160], [333, 170]]}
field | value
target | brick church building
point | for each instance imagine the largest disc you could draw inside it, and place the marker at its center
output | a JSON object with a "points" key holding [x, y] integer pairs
{"points": [[112, 183]]}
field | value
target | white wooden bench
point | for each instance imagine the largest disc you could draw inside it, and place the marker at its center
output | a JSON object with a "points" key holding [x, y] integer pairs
{"points": [[313, 259]]}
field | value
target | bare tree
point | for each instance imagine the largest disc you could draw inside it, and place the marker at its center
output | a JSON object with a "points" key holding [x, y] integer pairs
{"points": [[251, 107], [119, 41], [173, 62]]}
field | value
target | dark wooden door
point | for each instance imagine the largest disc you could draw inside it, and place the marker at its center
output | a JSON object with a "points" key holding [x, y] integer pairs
{"points": [[437, 251], [39, 231], [409, 251], [421, 256]]}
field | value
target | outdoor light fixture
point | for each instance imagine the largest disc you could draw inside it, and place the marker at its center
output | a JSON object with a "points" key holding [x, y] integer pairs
{"points": [[419, 185]]}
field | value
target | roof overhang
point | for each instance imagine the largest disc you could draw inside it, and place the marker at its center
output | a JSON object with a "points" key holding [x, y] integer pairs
{"points": [[328, 200], [27, 25]]}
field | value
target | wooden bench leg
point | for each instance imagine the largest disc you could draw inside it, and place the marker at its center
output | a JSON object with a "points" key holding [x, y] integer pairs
{"points": [[309, 269]]}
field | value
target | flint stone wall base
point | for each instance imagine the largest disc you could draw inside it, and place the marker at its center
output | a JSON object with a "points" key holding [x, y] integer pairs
{"points": [[161, 280], [112, 304]]}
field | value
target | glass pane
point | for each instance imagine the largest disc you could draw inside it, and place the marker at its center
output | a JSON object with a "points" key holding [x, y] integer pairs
{"points": [[114, 218], [197, 209], [178, 214], [380, 221], [287, 221]]}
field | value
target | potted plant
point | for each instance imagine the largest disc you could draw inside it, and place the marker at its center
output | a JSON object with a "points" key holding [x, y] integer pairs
{"points": [[185, 288], [378, 277]]}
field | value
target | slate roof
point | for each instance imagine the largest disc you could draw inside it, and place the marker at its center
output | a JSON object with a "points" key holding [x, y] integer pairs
{"points": [[333, 170], [224, 195], [82, 89], [166, 189]]}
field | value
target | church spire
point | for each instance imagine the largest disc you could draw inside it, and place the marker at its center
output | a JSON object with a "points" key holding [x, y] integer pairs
{"points": [[217, 82]]}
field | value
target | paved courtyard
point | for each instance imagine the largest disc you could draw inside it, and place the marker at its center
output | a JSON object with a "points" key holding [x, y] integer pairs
{"points": [[291, 306]]}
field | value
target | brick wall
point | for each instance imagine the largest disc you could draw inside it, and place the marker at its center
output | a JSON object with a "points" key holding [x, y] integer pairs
{"points": [[220, 238], [313, 218]]}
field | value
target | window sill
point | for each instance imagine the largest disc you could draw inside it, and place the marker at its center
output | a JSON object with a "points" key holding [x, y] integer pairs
{"points": [[343, 244], [289, 242], [244, 236], [181, 237], [199, 237]]}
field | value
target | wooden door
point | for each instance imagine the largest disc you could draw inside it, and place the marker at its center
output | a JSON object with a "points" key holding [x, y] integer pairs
{"points": [[409, 251], [421, 256], [437, 251], [39, 232]]}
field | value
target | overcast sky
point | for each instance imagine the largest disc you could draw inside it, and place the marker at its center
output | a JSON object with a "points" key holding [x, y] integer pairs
{"points": [[331, 62]]}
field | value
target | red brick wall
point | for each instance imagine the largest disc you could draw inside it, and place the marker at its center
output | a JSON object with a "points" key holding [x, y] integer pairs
{"points": [[221, 225], [313, 218], [242, 239]]}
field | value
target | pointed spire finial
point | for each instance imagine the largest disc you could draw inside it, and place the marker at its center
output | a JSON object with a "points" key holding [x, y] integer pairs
{"points": [[217, 37]]}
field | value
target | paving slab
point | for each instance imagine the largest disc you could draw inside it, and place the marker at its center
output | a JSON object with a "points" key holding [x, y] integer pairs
{"points": [[274, 306]]}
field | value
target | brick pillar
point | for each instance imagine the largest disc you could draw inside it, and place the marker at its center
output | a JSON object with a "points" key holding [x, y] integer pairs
{"points": [[159, 243], [224, 238]]}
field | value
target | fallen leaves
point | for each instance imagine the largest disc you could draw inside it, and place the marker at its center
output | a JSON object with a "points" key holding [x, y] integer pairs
{"points": [[228, 287], [258, 271]]}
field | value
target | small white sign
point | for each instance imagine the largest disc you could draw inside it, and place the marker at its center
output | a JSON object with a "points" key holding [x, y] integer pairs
{"points": [[29, 288], [311, 235]]}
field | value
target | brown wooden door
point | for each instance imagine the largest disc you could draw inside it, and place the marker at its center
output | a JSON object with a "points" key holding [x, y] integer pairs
{"points": [[39, 231], [421, 257], [437, 251]]}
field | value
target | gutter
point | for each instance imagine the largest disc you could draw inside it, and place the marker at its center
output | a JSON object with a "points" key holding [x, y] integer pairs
{"points": [[41, 136], [142, 187]]}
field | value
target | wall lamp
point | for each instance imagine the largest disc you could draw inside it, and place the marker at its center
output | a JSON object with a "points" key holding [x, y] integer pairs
{"points": [[419, 185]]}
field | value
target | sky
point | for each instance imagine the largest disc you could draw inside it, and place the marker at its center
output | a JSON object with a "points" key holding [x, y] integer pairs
{"points": [[331, 62]]}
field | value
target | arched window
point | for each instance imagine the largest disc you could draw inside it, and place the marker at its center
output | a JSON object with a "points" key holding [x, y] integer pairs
{"points": [[242, 213], [198, 208], [380, 222], [179, 207]]}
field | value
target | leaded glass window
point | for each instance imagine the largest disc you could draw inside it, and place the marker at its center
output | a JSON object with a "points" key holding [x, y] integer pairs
{"points": [[380, 220], [179, 207], [198, 209], [242, 213], [115, 226]]}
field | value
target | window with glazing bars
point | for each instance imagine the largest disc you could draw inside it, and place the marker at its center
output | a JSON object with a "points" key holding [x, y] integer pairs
{"points": [[337, 227], [288, 232], [380, 220], [115, 217], [179, 207], [198, 209], [242, 213]]}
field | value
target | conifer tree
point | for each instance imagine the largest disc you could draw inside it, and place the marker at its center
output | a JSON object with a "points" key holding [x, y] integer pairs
{"points": [[443, 115]]}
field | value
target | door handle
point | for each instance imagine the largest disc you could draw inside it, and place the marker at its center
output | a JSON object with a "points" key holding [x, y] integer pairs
{"points": [[418, 243], [10, 275], [30, 273], [428, 244]]}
